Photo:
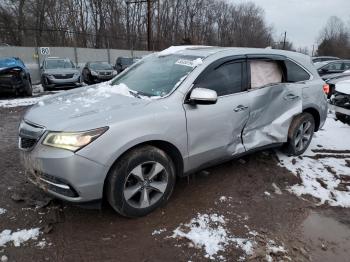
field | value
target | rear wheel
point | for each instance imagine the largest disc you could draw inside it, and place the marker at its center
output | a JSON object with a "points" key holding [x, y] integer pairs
{"points": [[300, 134], [140, 181]]}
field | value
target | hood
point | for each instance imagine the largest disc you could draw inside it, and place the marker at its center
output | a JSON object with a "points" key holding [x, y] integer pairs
{"points": [[86, 108], [343, 87], [61, 71], [9, 63]]}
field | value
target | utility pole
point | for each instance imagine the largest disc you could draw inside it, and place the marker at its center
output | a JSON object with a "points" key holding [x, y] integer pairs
{"points": [[128, 23], [149, 24], [149, 19], [284, 40], [158, 29]]}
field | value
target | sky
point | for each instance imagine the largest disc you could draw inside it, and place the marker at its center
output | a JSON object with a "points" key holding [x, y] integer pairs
{"points": [[301, 19]]}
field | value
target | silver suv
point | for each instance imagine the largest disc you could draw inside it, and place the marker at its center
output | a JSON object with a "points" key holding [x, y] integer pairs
{"points": [[59, 72], [169, 115]]}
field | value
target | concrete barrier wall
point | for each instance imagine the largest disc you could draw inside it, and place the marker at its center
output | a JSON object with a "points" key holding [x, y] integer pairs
{"points": [[33, 59]]}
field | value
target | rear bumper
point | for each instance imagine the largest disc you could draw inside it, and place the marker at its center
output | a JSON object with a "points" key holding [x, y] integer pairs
{"points": [[64, 174], [340, 110]]}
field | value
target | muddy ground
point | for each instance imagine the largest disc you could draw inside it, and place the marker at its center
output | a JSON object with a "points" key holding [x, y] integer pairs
{"points": [[307, 231]]}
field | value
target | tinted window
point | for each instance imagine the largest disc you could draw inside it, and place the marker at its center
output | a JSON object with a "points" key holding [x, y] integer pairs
{"points": [[347, 66], [333, 66], [226, 79], [295, 73]]}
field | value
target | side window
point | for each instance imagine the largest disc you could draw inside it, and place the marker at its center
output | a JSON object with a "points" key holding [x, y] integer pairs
{"points": [[333, 66], [264, 72], [225, 80], [347, 66], [295, 73]]}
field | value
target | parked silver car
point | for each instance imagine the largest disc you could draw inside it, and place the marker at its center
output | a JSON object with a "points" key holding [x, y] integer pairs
{"points": [[169, 115], [59, 72]]}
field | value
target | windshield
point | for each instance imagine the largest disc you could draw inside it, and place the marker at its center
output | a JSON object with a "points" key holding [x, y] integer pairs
{"points": [[100, 66], [58, 63], [157, 75]]}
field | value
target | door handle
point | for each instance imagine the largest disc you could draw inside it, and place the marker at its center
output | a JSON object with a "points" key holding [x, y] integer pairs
{"points": [[290, 97], [240, 108]]}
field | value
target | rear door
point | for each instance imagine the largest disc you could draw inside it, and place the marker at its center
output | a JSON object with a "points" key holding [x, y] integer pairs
{"points": [[273, 101], [214, 131]]}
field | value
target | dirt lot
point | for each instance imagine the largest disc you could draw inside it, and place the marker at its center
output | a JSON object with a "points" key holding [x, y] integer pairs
{"points": [[281, 226]]}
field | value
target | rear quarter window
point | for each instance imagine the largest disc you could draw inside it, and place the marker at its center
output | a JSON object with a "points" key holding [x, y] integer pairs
{"points": [[295, 73]]}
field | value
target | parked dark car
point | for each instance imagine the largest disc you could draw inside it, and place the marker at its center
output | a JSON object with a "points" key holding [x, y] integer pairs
{"points": [[333, 79], [123, 62], [340, 101], [96, 72], [59, 72], [317, 59], [332, 67], [15, 77]]}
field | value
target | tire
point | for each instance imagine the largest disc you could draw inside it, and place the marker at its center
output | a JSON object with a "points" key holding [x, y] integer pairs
{"points": [[343, 118], [140, 182], [45, 88], [28, 89], [300, 134]]}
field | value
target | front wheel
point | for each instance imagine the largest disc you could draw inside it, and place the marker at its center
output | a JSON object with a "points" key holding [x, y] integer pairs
{"points": [[140, 181], [300, 134]]}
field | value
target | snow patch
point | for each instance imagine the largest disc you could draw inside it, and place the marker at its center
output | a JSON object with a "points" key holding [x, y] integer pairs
{"points": [[2, 211], [324, 168], [18, 237], [8, 103], [174, 49], [158, 232], [209, 232]]}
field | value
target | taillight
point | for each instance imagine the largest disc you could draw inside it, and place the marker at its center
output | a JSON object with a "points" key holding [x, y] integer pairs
{"points": [[326, 89]]}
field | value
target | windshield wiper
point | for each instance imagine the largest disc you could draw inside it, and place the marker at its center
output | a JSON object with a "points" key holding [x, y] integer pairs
{"points": [[135, 94]]}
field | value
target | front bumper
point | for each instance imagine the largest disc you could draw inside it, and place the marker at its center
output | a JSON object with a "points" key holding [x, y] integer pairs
{"points": [[339, 109], [69, 82], [64, 174]]}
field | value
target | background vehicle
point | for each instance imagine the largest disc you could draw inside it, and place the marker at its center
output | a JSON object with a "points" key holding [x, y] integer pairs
{"points": [[340, 101], [123, 62], [59, 72], [96, 72], [332, 67], [15, 77], [317, 59], [172, 114], [332, 79]]}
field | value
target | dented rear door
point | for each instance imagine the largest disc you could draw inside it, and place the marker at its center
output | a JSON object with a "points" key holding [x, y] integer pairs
{"points": [[272, 108]]}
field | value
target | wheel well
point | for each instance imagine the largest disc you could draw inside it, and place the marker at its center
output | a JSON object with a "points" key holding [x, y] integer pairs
{"points": [[167, 147], [316, 116]]}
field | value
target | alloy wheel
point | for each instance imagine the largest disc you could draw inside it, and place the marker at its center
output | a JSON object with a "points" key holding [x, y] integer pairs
{"points": [[303, 135], [145, 184]]}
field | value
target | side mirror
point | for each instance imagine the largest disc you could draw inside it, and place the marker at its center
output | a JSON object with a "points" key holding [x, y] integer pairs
{"points": [[41, 67], [203, 96]]}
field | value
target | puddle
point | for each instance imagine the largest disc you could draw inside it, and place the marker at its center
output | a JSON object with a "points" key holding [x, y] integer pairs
{"points": [[328, 239]]}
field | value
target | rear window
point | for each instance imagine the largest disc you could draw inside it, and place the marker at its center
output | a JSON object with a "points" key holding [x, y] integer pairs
{"points": [[295, 73]]}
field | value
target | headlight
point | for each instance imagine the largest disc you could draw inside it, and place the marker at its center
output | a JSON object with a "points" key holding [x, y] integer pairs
{"points": [[76, 74], [93, 73], [72, 141], [49, 76], [115, 72]]}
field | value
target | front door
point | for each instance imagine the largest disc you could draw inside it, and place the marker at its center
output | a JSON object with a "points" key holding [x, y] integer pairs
{"points": [[214, 131]]}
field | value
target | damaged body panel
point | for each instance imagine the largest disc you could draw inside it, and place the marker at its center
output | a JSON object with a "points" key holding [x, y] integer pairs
{"points": [[14, 77], [340, 101], [271, 111]]}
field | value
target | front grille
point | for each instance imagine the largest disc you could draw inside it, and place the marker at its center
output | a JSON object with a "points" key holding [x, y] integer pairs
{"points": [[27, 143], [63, 76], [29, 134], [105, 73]]}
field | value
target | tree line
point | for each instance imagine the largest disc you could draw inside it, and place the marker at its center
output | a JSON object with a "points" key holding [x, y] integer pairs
{"points": [[116, 24]]}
